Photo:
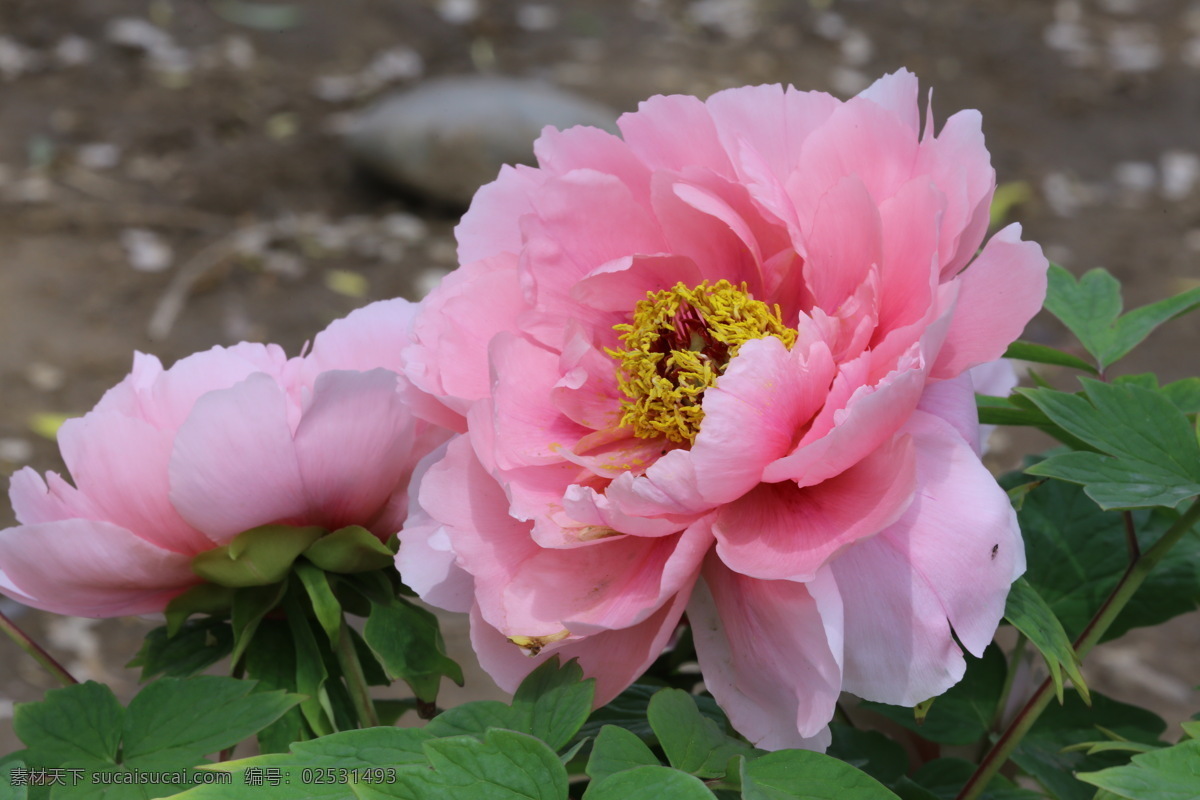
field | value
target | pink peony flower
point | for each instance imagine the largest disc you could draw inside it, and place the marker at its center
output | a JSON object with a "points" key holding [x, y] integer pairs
{"points": [[721, 364], [171, 463]]}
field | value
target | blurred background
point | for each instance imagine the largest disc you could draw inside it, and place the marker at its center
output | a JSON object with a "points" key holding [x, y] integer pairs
{"points": [[177, 174]]}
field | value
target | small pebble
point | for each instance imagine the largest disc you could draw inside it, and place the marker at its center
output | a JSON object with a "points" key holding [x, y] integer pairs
{"points": [[98, 155], [15, 451], [73, 51], [458, 12], [146, 250], [1180, 171], [45, 377]]}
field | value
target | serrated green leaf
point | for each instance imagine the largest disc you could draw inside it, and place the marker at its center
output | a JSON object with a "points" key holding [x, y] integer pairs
{"points": [[409, 645], [1032, 616], [257, 557], [79, 724], [649, 783], [16, 790], [1091, 309], [1076, 553], [558, 701], [805, 775], [871, 751], [628, 710], [616, 750], [944, 777], [1041, 753], [1041, 354], [1119, 483], [177, 721], [250, 605], [1184, 394], [475, 718], [350, 550], [199, 644], [692, 742], [963, 714], [504, 765]]}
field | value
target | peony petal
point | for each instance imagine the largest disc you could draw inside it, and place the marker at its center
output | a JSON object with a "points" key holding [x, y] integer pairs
{"points": [[1000, 292], [560, 152], [615, 658], [770, 657], [490, 228], [958, 163], [120, 464], [897, 92], [90, 569], [755, 412], [354, 448], [674, 132], [782, 532], [366, 338], [954, 402], [619, 285], [426, 560], [234, 466], [36, 500], [842, 244], [910, 222]]}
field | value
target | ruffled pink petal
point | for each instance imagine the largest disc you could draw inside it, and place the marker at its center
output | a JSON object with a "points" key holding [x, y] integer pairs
{"points": [[770, 657], [669, 486], [455, 323], [87, 568], [958, 162], [618, 285], [354, 447], [755, 412], [234, 465], [126, 397], [999, 293], [843, 243], [426, 560], [559, 152], [36, 500], [615, 658], [910, 222], [168, 401], [779, 531], [369, 337], [674, 132], [490, 226], [897, 92], [528, 428], [847, 430], [771, 121], [120, 464], [591, 508], [898, 647], [954, 402], [961, 523]]}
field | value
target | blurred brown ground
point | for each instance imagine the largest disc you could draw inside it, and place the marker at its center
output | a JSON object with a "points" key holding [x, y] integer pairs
{"points": [[1094, 105]]}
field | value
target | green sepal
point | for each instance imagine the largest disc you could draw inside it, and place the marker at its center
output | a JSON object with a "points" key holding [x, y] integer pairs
{"points": [[348, 550], [207, 598], [257, 557]]}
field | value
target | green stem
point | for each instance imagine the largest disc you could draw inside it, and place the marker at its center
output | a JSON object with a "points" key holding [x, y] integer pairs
{"points": [[1129, 583], [1014, 660], [356, 681], [36, 652]]}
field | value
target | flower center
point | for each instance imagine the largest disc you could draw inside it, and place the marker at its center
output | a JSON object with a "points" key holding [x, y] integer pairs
{"points": [[678, 344]]}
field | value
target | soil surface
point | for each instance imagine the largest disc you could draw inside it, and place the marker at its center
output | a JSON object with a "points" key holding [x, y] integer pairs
{"points": [[171, 178]]}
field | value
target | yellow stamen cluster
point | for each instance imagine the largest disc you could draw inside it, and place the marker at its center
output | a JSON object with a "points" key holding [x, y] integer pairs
{"points": [[677, 345]]}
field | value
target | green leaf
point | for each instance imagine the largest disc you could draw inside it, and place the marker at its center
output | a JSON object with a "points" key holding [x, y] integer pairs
{"points": [[311, 674], [1030, 614], [944, 777], [1041, 354], [325, 606], [504, 765], [257, 557], [1091, 309], [615, 750], [629, 709], [1077, 552], [78, 724], [207, 598], [1041, 753], [250, 605], [874, 753], [805, 775], [475, 718], [198, 644], [177, 721], [692, 742], [648, 783], [349, 550], [271, 660], [1185, 394], [964, 713], [14, 790], [408, 644], [557, 699], [1119, 483]]}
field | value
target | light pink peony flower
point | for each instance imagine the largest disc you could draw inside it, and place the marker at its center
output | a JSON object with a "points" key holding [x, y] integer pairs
{"points": [[720, 364], [171, 463]]}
